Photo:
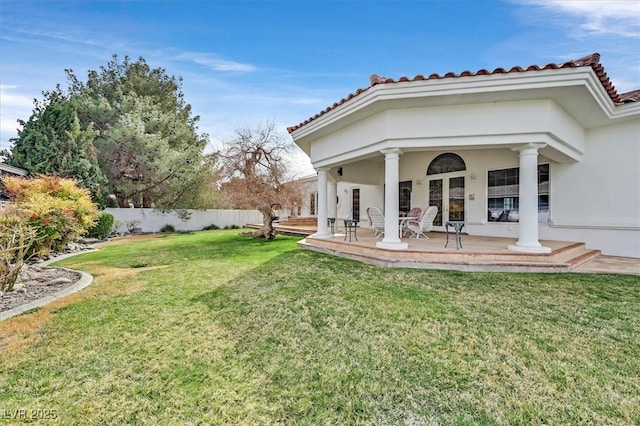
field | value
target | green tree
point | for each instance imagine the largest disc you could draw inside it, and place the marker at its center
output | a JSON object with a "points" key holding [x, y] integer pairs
{"points": [[147, 140], [53, 142], [127, 130]]}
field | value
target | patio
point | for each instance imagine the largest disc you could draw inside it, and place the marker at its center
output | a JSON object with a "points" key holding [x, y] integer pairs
{"points": [[478, 253]]}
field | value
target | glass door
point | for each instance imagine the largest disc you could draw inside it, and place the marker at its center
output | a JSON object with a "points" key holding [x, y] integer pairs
{"points": [[456, 199], [436, 195], [404, 197], [447, 194], [355, 204]]}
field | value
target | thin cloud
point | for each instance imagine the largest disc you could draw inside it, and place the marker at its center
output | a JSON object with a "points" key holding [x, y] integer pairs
{"points": [[214, 62], [618, 18], [14, 106], [11, 100], [83, 48], [59, 36]]}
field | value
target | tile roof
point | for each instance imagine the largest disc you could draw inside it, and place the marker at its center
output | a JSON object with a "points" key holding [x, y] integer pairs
{"points": [[633, 96], [592, 61]]}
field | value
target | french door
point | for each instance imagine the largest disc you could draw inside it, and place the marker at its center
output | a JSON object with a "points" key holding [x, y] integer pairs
{"points": [[446, 192], [355, 204]]}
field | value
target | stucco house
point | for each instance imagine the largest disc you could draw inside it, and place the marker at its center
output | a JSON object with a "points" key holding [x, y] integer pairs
{"points": [[539, 153]]}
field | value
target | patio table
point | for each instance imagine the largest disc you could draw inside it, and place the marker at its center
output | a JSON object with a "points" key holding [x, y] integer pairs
{"points": [[350, 227], [332, 225], [457, 227]]}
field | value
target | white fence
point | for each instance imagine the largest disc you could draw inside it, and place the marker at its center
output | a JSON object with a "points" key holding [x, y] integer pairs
{"points": [[152, 220]]}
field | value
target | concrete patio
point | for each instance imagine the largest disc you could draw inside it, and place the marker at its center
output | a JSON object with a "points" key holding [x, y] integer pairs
{"points": [[478, 253]]}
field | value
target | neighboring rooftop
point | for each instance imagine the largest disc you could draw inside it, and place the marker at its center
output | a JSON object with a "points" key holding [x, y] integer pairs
{"points": [[592, 61], [13, 170]]}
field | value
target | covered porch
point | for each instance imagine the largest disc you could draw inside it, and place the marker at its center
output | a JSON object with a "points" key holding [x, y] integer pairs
{"points": [[455, 184]]}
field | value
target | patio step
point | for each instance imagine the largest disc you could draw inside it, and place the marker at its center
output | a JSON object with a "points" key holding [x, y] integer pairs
{"points": [[586, 256], [575, 254], [564, 259], [300, 221]]}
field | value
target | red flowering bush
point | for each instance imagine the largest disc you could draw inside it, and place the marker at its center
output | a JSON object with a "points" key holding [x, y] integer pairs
{"points": [[56, 208]]}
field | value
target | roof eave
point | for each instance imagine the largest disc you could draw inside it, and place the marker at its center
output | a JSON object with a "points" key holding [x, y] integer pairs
{"points": [[519, 85]]}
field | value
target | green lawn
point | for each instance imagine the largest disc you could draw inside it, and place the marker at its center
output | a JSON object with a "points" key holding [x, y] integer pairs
{"points": [[215, 328]]}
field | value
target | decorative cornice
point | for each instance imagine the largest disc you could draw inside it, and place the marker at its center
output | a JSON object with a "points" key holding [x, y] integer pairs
{"points": [[592, 61]]}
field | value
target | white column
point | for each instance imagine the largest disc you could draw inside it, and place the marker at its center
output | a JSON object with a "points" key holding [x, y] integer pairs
{"points": [[322, 228], [391, 239], [332, 199], [528, 200]]}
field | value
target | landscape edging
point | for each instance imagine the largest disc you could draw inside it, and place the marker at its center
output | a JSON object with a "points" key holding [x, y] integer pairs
{"points": [[84, 281]]}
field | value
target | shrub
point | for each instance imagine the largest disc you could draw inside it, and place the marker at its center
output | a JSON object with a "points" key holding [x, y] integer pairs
{"points": [[56, 208], [131, 225], [102, 227], [122, 227], [117, 224], [168, 229], [211, 227], [16, 240]]}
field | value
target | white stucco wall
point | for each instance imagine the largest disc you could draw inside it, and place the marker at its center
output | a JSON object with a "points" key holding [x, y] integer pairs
{"points": [[364, 172], [370, 196], [152, 220], [604, 188], [597, 200]]}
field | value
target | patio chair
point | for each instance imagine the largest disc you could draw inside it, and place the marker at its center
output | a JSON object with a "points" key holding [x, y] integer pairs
{"points": [[425, 224], [370, 220], [377, 221], [414, 212]]}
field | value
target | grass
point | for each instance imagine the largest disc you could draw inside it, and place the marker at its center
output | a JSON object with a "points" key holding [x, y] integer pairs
{"points": [[214, 328]]}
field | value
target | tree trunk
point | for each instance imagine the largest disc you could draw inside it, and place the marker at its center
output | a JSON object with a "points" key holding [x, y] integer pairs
{"points": [[146, 201], [123, 202], [267, 232]]}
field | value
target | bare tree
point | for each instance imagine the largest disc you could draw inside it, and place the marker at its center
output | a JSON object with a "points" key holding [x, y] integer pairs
{"points": [[254, 171]]}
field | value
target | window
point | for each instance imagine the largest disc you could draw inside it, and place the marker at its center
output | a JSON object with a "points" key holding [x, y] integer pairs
{"points": [[355, 204], [503, 194], [313, 211], [543, 190], [446, 163], [436, 197], [405, 196]]}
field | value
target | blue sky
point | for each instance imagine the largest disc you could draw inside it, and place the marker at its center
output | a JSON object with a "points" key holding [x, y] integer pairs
{"points": [[248, 62]]}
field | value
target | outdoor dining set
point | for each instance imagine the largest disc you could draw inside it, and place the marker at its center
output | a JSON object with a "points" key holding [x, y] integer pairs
{"points": [[415, 224]]}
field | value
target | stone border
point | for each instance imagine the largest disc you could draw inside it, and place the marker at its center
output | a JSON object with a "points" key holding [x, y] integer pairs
{"points": [[83, 282]]}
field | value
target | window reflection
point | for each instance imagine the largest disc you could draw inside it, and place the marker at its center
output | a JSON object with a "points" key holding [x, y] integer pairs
{"points": [[503, 194], [446, 163]]}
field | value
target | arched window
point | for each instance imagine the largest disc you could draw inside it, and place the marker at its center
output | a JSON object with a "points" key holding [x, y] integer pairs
{"points": [[446, 163]]}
